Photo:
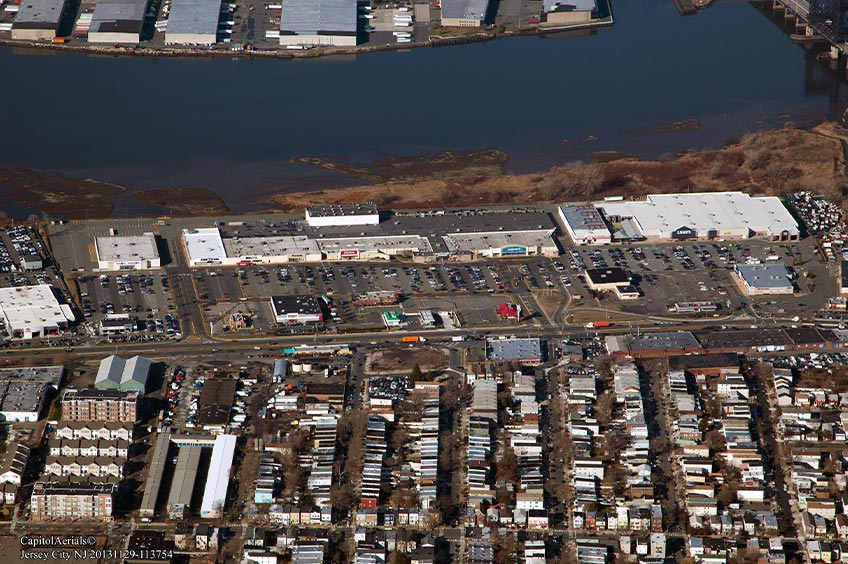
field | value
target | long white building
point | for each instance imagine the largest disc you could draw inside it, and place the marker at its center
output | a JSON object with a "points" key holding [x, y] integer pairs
{"points": [[705, 215], [218, 478], [342, 215]]}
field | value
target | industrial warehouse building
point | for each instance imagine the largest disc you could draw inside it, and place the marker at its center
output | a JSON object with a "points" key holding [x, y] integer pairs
{"points": [[33, 311], [127, 252], [303, 308], [193, 22], [569, 11], [218, 478], [24, 391], [38, 19], [342, 215], [764, 279], [708, 215], [584, 224], [182, 484], [464, 13], [318, 22], [115, 373], [117, 21]]}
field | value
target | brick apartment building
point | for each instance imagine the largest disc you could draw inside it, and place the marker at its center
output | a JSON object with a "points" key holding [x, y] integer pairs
{"points": [[67, 501], [99, 405]]}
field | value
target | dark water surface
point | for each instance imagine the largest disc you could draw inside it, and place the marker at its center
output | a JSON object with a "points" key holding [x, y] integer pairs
{"points": [[232, 125]]}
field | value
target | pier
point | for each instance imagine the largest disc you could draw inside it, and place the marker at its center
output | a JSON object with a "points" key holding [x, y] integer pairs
{"points": [[818, 21]]}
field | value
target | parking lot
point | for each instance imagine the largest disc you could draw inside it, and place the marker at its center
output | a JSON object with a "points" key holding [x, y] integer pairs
{"points": [[144, 295], [701, 271]]}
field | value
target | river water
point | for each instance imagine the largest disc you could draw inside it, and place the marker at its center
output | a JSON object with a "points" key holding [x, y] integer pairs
{"points": [[233, 125]]}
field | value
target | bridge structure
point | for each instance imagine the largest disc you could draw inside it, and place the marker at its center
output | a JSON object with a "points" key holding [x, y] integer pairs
{"points": [[826, 19]]}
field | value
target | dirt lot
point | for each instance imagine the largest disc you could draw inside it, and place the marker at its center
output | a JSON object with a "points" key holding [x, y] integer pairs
{"points": [[403, 359]]}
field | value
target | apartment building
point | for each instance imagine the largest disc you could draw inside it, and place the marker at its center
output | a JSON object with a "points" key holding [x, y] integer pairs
{"points": [[54, 501], [99, 405]]}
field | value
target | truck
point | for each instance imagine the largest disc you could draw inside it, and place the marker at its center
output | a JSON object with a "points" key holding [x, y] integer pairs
{"points": [[597, 324], [410, 339]]}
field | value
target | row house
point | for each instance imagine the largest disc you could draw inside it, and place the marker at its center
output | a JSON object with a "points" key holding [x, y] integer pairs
{"points": [[94, 430], [372, 469], [84, 466], [89, 447], [323, 424], [14, 464], [426, 445]]}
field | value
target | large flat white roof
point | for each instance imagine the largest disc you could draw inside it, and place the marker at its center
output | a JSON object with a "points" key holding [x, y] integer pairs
{"points": [[218, 478], [729, 213], [388, 243], [34, 306], [270, 246], [204, 244], [459, 242], [126, 247], [198, 17]]}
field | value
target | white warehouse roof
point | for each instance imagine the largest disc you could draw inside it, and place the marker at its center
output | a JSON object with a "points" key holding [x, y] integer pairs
{"points": [[218, 478], [204, 245], [33, 308], [728, 213], [126, 248], [192, 20]]}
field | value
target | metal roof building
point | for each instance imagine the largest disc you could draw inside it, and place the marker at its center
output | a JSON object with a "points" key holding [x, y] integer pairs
{"points": [[182, 486], [464, 13], [584, 224], [318, 22], [115, 373], [117, 21], [763, 279], [38, 19], [218, 478], [514, 348], [569, 11], [193, 22], [156, 469]]}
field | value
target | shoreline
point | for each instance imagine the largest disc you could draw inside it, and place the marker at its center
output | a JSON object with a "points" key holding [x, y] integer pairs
{"points": [[317, 52], [767, 162]]}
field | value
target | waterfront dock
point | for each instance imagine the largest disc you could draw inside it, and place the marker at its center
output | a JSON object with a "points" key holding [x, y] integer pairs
{"points": [[685, 7]]}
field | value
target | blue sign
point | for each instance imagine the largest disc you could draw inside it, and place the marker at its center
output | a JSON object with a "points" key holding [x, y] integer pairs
{"points": [[514, 250]]}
